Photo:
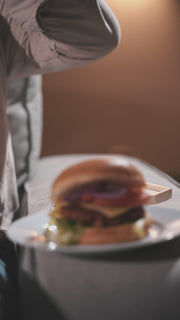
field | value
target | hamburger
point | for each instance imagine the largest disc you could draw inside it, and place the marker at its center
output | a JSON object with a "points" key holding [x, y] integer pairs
{"points": [[98, 201]]}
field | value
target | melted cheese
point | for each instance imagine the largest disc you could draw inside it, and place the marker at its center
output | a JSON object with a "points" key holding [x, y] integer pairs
{"points": [[110, 212]]}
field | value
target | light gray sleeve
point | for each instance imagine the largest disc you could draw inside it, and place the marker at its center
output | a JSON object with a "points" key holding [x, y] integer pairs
{"points": [[53, 35], [24, 111]]}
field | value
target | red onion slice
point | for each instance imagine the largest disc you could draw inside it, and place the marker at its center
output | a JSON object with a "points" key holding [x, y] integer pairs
{"points": [[94, 194]]}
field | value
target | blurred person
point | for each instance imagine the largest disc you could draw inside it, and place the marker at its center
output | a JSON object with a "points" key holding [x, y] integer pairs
{"points": [[40, 37], [37, 37]]}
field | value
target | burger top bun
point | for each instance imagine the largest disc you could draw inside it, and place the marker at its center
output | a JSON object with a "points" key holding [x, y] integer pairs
{"points": [[104, 168]]}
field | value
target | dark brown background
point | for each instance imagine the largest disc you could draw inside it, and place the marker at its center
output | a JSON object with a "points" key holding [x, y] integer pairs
{"points": [[129, 101]]}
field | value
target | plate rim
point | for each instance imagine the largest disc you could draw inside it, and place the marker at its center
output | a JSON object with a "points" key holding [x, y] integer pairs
{"points": [[90, 249]]}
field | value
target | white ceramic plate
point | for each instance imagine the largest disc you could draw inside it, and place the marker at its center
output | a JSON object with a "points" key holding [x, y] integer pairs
{"points": [[28, 232]]}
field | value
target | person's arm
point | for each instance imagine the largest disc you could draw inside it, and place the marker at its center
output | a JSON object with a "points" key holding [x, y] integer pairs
{"points": [[52, 35]]}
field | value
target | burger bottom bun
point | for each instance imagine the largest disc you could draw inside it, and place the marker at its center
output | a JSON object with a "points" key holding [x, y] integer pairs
{"points": [[116, 234]]}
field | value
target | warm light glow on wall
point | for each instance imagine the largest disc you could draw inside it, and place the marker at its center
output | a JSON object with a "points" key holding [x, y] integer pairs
{"points": [[131, 1], [128, 101], [132, 4]]}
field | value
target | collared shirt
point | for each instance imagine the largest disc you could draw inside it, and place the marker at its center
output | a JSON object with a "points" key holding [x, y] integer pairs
{"points": [[38, 37]]}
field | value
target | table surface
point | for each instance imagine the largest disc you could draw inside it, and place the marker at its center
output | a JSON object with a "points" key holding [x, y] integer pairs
{"points": [[135, 284]]}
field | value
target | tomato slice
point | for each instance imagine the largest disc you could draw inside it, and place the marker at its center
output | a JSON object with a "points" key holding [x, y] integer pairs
{"points": [[87, 197], [127, 200], [130, 199]]}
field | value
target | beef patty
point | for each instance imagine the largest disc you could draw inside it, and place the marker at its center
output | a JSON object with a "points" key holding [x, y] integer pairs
{"points": [[95, 218]]}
